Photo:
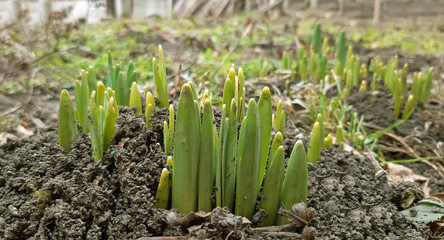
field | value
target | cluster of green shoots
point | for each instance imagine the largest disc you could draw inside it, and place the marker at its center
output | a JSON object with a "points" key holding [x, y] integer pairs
{"points": [[309, 63], [97, 104], [396, 80], [233, 165], [348, 74], [225, 166]]}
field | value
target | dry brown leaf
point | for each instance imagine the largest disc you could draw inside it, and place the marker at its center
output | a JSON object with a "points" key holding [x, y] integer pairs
{"points": [[299, 215], [400, 173]]}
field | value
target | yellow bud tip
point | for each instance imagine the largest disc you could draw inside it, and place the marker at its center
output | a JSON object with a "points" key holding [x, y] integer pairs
{"points": [[299, 143], [251, 101], [266, 91], [281, 148], [90, 68], [207, 102], [164, 173], [169, 161]]}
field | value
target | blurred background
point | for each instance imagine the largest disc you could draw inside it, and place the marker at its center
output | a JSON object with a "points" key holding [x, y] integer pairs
{"points": [[45, 44]]}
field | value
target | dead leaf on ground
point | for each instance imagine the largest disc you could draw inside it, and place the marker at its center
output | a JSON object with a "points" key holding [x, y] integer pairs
{"points": [[299, 215], [400, 173]]}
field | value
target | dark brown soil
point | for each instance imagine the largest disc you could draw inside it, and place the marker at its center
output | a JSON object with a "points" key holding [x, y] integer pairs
{"points": [[353, 200], [46, 194], [423, 132]]}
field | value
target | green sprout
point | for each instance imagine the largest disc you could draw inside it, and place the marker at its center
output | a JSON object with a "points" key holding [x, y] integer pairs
{"points": [[234, 88], [340, 55], [117, 81], [272, 185], [316, 41], [287, 60], [206, 157], [302, 63], [150, 104], [363, 71], [248, 162], [314, 148], [280, 118], [427, 86], [328, 141], [102, 121], [160, 80], [294, 187], [186, 153], [339, 137], [82, 95], [168, 131], [409, 106], [135, 100], [265, 113], [67, 122], [163, 190]]}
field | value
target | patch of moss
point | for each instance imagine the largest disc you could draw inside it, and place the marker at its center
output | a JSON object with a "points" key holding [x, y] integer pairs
{"points": [[41, 198]]}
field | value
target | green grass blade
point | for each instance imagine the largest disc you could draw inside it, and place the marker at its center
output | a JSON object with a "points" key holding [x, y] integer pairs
{"points": [[109, 124], [135, 100], [67, 122], [314, 148], [294, 188], [186, 153], [248, 162], [150, 104], [163, 190], [272, 187], [229, 159], [206, 159], [265, 112]]}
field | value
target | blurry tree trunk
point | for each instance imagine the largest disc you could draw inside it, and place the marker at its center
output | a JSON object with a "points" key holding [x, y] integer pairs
{"points": [[247, 6], [16, 10], [313, 4], [377, 11], [47, 9], [170, 9], [341, 7], [127, 8], [111, 8]]}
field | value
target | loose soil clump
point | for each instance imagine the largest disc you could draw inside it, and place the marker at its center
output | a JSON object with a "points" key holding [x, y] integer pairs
{"points": [[49, 195]]}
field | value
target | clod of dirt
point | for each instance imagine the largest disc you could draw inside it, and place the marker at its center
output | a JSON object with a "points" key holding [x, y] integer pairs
{"points": [[222, 225], [352, 202]]}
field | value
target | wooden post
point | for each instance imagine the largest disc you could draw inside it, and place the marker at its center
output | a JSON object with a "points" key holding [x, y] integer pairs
{"points": [[16, 10], [377, 11], [110, 8], [341, 7], [313, 4], [170, 9]]}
